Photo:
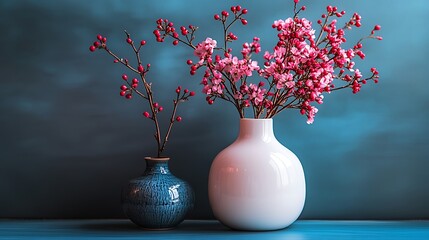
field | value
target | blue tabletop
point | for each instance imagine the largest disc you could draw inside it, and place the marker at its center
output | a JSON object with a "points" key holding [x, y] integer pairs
{"points": [[197, 229]]}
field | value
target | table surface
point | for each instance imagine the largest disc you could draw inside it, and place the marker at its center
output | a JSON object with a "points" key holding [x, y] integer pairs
{"points": [[210, 229]]}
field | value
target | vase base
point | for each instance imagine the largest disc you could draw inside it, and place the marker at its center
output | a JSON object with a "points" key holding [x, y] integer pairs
{"points": [[255, 229], [159, 229]]}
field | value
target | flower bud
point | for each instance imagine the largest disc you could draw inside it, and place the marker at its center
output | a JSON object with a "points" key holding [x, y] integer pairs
{"points": [[140, 68]]}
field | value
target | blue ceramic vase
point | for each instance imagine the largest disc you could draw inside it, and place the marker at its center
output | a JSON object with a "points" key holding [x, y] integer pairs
{"points": [[157, 200]]}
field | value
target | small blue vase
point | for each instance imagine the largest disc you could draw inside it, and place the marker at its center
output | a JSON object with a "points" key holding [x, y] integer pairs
{"points": [[157, 200]]}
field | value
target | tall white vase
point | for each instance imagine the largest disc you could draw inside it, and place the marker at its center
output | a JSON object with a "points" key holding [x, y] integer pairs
{"points": [[256, 183]]}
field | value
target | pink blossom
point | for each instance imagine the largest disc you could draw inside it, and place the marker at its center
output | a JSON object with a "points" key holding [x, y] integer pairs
{"points": [[254, 47], [310, 114], [358, 74], [237, 68], [214, 84], [256, 94], [204, 49]]}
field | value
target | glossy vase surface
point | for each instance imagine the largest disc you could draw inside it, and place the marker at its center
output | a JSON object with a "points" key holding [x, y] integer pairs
{"points": [[157, 200], [256, 183]]}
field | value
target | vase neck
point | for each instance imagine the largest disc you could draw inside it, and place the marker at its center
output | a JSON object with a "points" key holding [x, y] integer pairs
{"points": [[157, 166], [260, 129]]}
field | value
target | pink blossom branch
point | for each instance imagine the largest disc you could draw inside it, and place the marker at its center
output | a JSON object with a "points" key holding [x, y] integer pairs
{"points": [[148, 95], [173, 118]]}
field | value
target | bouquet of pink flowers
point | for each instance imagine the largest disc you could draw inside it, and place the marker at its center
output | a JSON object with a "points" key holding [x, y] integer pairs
{"points": [[303, 65]]}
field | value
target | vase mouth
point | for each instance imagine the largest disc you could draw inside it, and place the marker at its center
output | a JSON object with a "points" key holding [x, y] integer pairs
{"points": [[256, 119], [157, 158]]}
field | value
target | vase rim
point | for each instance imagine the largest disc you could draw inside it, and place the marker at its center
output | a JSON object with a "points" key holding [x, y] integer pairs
{"points": [[157, 158], [256, 119]]}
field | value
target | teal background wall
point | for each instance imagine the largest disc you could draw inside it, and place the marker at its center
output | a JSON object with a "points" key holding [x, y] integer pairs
{"points": [[69, 142]]}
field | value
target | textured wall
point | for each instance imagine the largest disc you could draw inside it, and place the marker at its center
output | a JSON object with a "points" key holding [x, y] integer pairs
{"points": [[69, 142]]}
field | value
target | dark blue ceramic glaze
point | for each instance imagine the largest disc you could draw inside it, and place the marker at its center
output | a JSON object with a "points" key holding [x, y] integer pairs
{"points": [[157, 199]]}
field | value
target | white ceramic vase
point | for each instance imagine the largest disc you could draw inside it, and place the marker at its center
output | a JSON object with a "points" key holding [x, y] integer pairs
{"points": [[256, 183]]}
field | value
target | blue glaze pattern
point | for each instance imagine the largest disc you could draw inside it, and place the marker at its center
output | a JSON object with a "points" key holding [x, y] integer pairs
{"points": [[157, 199]]}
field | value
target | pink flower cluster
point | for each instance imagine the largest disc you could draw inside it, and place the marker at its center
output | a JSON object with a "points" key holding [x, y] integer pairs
{"points": [[236, 69], [205, 49], [301, 67]]}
